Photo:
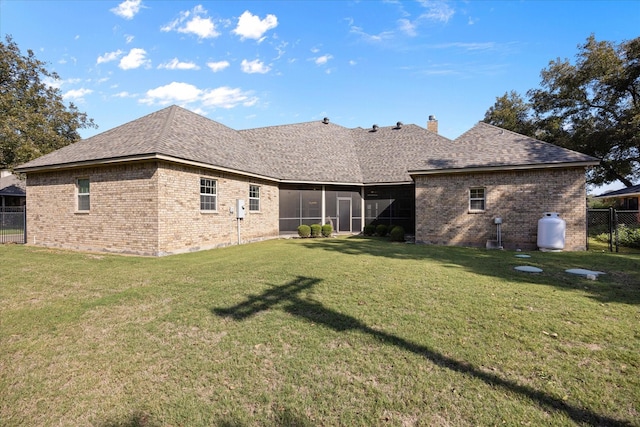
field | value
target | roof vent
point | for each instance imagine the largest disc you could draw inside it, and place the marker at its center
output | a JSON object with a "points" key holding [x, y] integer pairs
{"points": [[375, 128], [432, 118], [399, 125], [325, 120]]}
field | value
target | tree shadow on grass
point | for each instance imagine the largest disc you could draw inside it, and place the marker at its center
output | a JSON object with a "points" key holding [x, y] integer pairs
{"points": [[621, 284], [287, 298], [135, 419]]}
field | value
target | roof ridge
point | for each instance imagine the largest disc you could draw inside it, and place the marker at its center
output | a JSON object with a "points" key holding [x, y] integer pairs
{"points": [[167, 125]]}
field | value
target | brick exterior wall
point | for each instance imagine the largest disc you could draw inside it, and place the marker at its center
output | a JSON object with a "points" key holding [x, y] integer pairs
{"points": [[519, 197], [183, 227], [145, 208]]}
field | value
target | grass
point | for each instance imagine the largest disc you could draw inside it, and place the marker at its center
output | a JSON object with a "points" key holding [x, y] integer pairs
{"points": [[348, 331], [599, 246]]}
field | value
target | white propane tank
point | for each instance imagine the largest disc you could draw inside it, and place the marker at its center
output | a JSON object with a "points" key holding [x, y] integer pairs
{"points": [[551, 232]]}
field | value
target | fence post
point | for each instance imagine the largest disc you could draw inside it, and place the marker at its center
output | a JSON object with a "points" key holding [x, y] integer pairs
{"points": [[610, 229], [24, 224], [615, 226]]}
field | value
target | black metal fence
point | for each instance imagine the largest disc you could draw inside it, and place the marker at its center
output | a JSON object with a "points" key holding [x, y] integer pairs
{"points": [[13, 224], [606, 224]]}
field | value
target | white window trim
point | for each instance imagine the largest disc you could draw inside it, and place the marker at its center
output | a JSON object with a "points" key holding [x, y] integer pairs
{"points": [[79, 194], [254, 198], [214, 195], [483, 198]]}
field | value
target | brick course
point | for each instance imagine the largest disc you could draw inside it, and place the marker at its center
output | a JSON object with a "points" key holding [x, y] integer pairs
{"points": [[519, 197]]}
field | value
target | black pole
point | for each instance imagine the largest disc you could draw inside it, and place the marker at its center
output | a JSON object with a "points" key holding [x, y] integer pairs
{"points": [[610, 229], [615, 226]]}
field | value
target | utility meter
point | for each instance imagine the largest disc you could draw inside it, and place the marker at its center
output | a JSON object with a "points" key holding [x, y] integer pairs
{"points": [[240, 208]]}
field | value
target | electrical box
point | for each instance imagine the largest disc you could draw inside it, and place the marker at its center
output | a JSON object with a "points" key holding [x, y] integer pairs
{"points": [[497, 220], [240, 208]]}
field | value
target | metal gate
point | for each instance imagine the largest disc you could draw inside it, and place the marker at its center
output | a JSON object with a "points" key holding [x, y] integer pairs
{"points": [[607, 224], [13, 224]]}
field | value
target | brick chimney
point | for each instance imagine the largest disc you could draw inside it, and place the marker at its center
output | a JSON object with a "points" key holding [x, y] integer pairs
{"points": [[432, 124]]}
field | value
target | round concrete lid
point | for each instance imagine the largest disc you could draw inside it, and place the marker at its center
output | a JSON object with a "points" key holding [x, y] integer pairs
{"points": [[528, 269], [583, 272]]}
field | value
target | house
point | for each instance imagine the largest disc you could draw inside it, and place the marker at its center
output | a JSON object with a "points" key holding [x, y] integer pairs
{"points": [[171, 182], [624, 199], [12, 190]]}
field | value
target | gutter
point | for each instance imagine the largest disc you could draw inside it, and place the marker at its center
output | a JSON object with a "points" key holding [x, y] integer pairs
{"points": [[140, 158], [586, 163]]}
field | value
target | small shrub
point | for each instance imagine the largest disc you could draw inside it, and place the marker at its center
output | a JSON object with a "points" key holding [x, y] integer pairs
{"points": [[381, 230], [304, 231], [629, 236], [316, 230], [397, 234], [327, 229], [369, 230]]}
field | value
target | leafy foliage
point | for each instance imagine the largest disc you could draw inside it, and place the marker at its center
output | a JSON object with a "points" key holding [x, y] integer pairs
{"points": [[33, 117], [381, 230], [304, 230], [592, 106], [369, 230], [316, 230], [628, 236], [397, 234], [327, 229]]}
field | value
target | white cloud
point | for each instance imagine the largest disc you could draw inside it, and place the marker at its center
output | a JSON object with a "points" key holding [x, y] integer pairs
{"points": [[193, 21], [253, 67], [437, 10], [321, 60], [187, 94], [226, 97], [58, 83], [123, 94], [407, 27], [252, 27], [473, 46], [77, 94], [136, 58], [218, 66], [371, 38], [127, 9], [128, 38], [109, 56], [51, 82], [173, 92], [174, 64]]}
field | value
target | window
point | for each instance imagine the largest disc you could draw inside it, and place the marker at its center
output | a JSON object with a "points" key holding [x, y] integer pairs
{"points": [[476, 199], [82, 187], [208, 194], [254, 198]]}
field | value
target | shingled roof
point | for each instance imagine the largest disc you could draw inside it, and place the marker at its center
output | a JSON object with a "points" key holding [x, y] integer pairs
{"points": [[10, 185], [315, 152], [628, 191], [489, 147]]}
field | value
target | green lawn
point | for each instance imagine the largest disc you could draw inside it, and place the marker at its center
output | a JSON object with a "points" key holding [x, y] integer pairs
{"points": [[348, 331]]}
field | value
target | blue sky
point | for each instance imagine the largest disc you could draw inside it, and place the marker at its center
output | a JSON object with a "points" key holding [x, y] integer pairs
{"points": [[250, 64]]}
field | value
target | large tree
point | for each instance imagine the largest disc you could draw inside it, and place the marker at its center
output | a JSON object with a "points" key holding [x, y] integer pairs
{"points": [[591, 106], [34, 120]]}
